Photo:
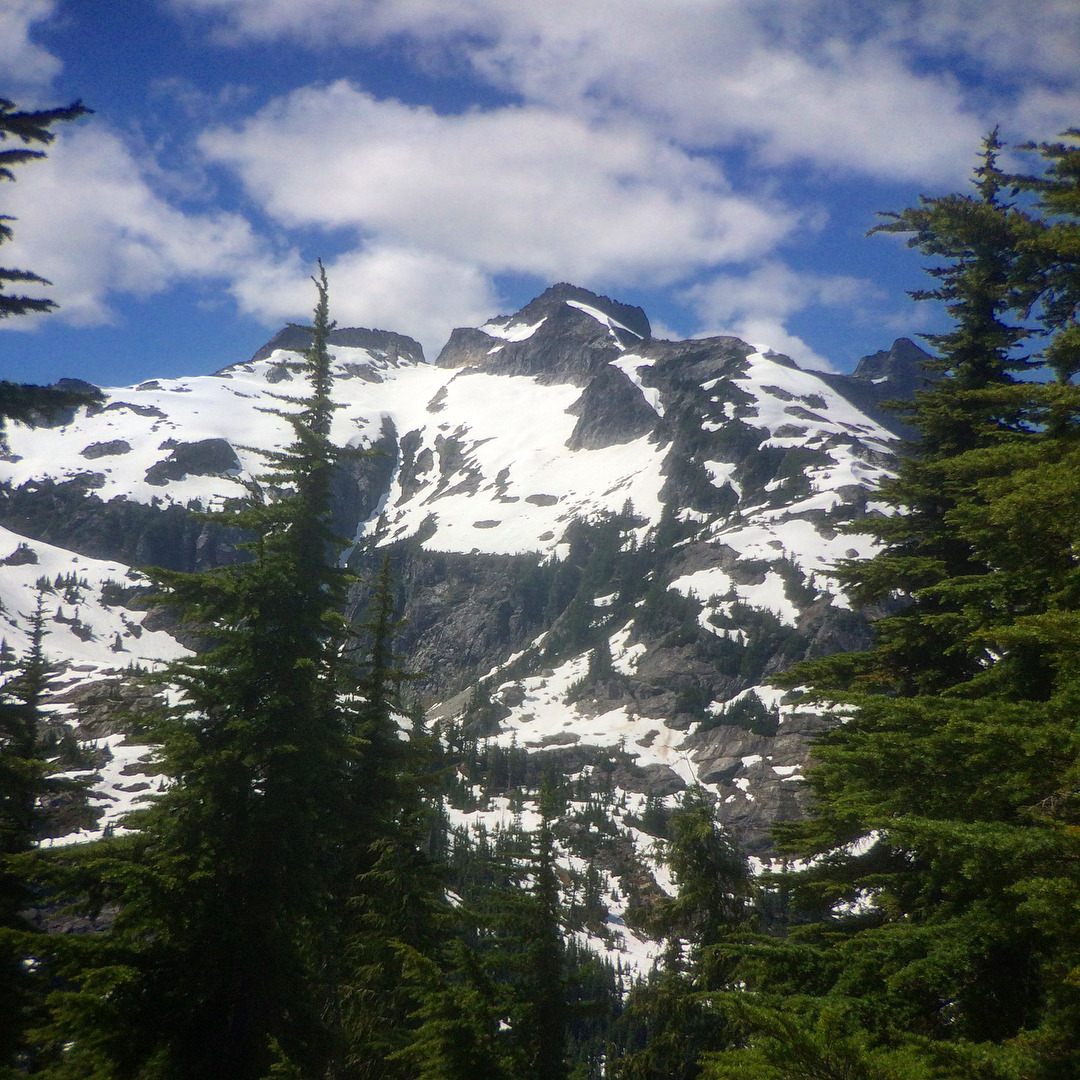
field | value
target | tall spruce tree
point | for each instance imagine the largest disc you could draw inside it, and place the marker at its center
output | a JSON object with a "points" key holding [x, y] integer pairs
{"points": [[23, 783], [36, 782], [938, 932], [226, 955], [543, 1013], [395, 917], [1052, 244], [668, 1024]]}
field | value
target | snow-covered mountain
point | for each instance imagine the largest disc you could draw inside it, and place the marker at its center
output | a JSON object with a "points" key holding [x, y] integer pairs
{"points": [[604, 543]]}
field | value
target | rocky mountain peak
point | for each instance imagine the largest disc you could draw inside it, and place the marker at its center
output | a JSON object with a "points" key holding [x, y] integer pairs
{"points": [[382, 344], [892, 374], [567, 335], [600, 566], [900, 366], [552, 300]]}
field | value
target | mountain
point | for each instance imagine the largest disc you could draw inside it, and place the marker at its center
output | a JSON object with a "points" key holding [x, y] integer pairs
{"points": [[604, 544]]}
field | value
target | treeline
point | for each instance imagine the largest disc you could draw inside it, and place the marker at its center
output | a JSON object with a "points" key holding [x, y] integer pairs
{"points": [[295, 903]]}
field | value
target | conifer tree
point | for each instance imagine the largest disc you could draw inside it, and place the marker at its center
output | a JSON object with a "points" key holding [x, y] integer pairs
{"points": [[396, 917], [22, 783], [460, 1032], [667, 1025], [226, 955], [934, 939], [31, 778], [543, 1018], [1051, 244]]}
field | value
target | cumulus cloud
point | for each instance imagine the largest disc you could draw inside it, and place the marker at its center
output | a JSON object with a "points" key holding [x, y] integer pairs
{"points": [[756, 305], [606, 171], [89, 221], [1016, 40], [383, 287], [22, 61], [519, 189], [844, 89]]}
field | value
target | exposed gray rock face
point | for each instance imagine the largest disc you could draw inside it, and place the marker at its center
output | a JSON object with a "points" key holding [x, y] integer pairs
{"points": [[360, 482], [207, 457], [568, 345], [611, 410], [383, 344], [887, 375], [654, 620], [66, 515], [107, 449]]}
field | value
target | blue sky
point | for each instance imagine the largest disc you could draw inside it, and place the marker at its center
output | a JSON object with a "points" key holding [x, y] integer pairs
{"points": [[715, 161]]}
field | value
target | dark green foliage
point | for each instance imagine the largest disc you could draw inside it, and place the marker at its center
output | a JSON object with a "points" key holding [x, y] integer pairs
{"points": [[29, 128], [461, 1032], [1050, 243], [601, 562], [749, 712], [253, 900], [929, 935], [668, 612], [23, 770], [542, 1009], [715, 889], [668, 1023], [655, 817], [33, 751], [664, 1029], [390, 888]]}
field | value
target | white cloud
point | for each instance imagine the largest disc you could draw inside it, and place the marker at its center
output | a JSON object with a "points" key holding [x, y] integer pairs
{"points": [[754, 306], [89, 222], [1014, 39], [769, 333], [519, 189], [409, 291], [847, 86], [22, 61]]}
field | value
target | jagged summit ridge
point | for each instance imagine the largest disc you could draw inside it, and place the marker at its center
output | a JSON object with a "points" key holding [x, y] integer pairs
{"points": [[383, 344], [624, 316], [895, 374], [566, 335]]}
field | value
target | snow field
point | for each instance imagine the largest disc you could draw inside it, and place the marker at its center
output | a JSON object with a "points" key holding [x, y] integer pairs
{"points": [[81, 629]]}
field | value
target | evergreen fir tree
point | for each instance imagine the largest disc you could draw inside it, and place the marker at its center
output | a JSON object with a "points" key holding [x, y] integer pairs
{"points": [[1051, 243], [934, 937], [396, 916], [543, 1016], [22, 783], [226, 955], [668, 1025], [32, 764], [461, 1032]]}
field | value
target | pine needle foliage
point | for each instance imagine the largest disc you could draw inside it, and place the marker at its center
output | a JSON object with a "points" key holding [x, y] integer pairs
{"points": [[236, 888], [934, 927]]}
